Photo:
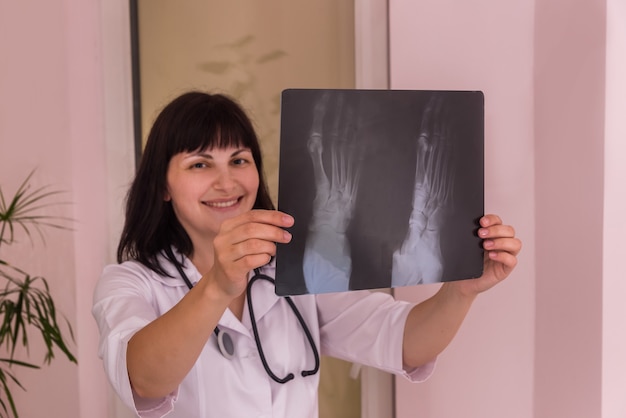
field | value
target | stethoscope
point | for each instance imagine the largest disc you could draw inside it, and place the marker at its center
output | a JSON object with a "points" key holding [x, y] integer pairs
{"points": [[225, 342]]}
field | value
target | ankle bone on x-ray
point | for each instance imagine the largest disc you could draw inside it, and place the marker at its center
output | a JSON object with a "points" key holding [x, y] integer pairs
{"points": [[327, 262], [419, 259]]}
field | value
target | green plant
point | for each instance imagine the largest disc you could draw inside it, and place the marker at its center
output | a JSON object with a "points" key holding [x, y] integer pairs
{"points": [[26, 304]]}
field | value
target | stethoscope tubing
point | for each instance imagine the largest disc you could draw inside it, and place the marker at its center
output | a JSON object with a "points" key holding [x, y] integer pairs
{"points": [[225, 343], [259, 276]]}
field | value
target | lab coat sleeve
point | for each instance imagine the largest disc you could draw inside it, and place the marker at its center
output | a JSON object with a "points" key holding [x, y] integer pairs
{"points": [[121, 308], [367, 328]]}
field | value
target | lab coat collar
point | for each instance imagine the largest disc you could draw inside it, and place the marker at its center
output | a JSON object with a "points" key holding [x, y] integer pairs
{"points": [[263, 292], [173, 279]]}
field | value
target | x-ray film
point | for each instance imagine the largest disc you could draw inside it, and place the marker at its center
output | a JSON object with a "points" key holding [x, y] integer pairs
{"points": [[386, 187]]}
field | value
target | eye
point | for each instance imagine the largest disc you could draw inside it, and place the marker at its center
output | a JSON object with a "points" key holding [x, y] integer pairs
{"points": [[198, 164], [240, 161]]}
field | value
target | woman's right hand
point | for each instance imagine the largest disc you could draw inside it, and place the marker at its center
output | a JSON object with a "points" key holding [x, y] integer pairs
{"points": [[160, 355], [244, 243]]}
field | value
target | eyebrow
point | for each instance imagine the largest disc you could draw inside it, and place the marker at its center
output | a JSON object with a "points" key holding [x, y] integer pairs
{"points": [[235, 153]]}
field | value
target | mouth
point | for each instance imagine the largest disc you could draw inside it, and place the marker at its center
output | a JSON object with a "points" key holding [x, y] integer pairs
{"points": [[223, 204]]}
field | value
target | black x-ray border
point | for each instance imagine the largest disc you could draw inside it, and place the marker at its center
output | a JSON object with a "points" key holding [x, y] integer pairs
{"points": [[390, 123]]}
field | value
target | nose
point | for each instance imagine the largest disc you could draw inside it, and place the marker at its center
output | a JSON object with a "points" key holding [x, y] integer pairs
{"points": [[224, 180]]}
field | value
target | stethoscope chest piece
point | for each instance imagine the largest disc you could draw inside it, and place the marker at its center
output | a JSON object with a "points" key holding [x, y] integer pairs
{"points": [[225, 344]]}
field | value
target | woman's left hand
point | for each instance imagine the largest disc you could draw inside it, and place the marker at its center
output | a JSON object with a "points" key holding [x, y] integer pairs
{"points": [[501, 250], [440, 316]]}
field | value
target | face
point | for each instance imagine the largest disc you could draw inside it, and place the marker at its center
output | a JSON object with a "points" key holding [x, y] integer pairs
{"points": [[206, 187]]}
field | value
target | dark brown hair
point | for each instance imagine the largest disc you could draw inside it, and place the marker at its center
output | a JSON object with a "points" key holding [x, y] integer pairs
{"points": [[192, 121]]}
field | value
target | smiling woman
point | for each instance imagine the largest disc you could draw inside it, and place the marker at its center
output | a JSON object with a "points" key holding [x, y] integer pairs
{"points": [[182, 277], [255, 53], [220, 183]]}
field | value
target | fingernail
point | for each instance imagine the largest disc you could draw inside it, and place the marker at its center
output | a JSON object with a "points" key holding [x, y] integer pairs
{"points": [[287, 235], [488, 244], [288, 219], [483, 232]]}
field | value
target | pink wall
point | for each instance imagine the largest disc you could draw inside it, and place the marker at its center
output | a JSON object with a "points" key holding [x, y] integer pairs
{"points": [[483, 45], [614, 245], [51, 118], [548, 343], [34, 133], [85, 107], [569, 139]]}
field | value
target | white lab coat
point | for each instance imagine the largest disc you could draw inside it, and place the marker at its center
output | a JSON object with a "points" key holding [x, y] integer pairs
{"points": [[361, 327]]}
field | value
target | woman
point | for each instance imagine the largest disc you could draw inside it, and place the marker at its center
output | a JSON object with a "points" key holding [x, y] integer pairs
{"points": [[190, 324]]}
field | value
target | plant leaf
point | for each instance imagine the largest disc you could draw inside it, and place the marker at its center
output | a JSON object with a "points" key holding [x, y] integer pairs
{"points": [[26, 304], [23, 210]]}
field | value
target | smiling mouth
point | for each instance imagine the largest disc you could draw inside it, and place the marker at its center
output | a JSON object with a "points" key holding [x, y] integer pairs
{"points": [[225, 204]]}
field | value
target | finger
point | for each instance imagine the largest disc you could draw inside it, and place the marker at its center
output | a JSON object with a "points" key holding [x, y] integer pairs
{"points": [[489, 220], [510, 245], [245, 255], [238, 268], [261, 216], [497, 231], [259, 231], [506, 259], [253, 247], [256, 260]]}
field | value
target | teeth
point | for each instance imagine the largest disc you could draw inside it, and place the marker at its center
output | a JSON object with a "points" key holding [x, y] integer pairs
{"points": [[222, 204]]}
